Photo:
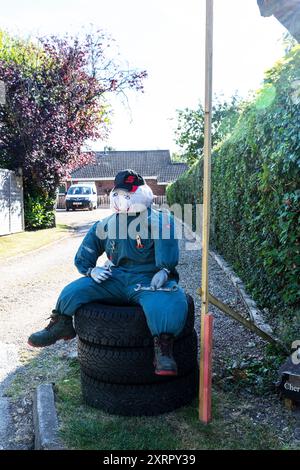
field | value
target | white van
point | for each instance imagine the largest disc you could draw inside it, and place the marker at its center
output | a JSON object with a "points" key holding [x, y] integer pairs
{"points": [[81, 196]]}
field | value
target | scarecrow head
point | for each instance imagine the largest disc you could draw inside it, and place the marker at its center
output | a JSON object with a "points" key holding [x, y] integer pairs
{"points": [[130, 194]]}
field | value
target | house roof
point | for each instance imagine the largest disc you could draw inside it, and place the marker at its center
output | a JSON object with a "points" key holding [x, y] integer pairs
{"points": [[148, 163]]}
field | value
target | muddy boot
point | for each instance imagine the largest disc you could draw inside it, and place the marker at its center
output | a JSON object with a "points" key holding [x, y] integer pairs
{"points": [[60, 327], [164, 361]]}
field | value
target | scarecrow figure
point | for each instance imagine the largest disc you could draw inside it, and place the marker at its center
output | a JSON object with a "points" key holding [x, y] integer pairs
{"points": [[142, 250]]}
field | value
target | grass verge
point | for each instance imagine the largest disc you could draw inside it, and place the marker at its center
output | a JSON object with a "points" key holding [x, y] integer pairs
{"points": [[235, 423], [86, 428], [21, 243]]}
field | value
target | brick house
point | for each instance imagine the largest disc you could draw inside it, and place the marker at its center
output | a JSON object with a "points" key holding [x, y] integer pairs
{"points": [[154, 165]]}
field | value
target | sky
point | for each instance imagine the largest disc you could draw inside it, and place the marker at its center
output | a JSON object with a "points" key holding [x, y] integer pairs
{"points": [[166, 38]]}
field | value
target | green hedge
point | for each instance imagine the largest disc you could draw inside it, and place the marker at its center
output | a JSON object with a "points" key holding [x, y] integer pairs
{"points": [[256, 189], [39, 213]]}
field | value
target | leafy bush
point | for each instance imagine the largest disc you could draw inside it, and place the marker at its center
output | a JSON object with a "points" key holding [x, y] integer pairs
{"points": [[256, 190], [250, 374], [39, 213]]}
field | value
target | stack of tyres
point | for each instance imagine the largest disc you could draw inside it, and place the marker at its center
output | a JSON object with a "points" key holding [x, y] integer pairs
{"points": [[115, 352]]}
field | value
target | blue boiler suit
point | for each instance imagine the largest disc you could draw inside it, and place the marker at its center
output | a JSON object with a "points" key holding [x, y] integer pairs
{"points": [[134, 263]]}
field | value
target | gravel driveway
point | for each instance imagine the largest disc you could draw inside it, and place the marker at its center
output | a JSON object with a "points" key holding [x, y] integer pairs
{"points": [[29, 288]]}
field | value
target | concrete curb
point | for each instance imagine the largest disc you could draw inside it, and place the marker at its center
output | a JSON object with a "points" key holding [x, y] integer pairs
{"points": [[45, 419], [5, 422], [254, 312]]}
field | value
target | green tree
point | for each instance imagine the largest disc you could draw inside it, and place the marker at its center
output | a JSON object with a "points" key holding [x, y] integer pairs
{"points": [[190, 126]]}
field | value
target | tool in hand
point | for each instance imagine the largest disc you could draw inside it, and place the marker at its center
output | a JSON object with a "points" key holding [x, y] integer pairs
{"points": [[153, 289]]}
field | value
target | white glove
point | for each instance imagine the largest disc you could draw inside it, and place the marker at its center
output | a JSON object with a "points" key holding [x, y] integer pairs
{"points": [[99, 274], [159, 279]]}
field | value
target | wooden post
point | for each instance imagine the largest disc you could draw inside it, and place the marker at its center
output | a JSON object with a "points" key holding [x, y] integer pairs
{"points": [[206, 320], [206, 364]]}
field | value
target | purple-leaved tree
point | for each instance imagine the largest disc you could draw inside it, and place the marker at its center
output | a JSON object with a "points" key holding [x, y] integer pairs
{"points": [[57, 98]]}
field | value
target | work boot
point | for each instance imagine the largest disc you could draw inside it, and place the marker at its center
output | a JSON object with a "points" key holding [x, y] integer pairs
{"points": [[60, 327], [164, 361]]}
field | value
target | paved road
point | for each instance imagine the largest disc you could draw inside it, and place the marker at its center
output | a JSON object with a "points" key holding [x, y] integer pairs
{"points": [[29, 287]]}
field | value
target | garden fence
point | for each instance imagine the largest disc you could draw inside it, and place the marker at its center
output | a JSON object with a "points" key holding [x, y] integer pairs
{"points": [[11, 203], [103, 201]]}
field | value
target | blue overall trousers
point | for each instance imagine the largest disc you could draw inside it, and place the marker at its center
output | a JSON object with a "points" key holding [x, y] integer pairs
{"points": [[138, 246]]}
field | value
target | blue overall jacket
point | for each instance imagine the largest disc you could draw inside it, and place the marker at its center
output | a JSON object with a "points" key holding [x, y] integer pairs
{"points": [[145, 242]]}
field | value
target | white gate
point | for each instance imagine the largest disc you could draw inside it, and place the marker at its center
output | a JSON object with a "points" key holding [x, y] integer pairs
{"points": [[11, 203]]}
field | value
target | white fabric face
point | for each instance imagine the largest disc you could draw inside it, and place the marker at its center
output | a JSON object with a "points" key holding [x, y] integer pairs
{"points": [[124, 201]]}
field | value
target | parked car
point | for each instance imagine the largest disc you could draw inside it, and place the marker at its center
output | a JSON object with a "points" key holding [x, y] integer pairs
{"points": [[81, 196]]}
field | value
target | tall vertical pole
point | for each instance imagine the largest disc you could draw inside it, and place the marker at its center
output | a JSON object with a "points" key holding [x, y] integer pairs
{"points": [[206, 318]]}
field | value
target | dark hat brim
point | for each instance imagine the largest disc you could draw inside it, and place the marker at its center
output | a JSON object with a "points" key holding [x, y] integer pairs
{"points": [[129, 190]]}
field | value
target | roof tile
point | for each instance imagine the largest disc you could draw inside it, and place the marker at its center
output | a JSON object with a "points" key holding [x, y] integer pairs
{"points": [[149, 163]]}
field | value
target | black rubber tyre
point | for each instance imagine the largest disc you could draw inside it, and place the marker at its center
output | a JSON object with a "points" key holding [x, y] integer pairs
{"points": [[113, 325], [140, 400], [133, 365]]}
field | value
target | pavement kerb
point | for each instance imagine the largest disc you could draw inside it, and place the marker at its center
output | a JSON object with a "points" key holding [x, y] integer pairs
{"points": [[45, 419]]}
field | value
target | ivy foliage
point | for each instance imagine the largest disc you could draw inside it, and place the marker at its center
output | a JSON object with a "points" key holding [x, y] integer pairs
{"points": [[256, 189]]}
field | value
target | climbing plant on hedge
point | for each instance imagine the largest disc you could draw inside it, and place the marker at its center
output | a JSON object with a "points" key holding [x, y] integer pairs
{"points": [[256, 189]]}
